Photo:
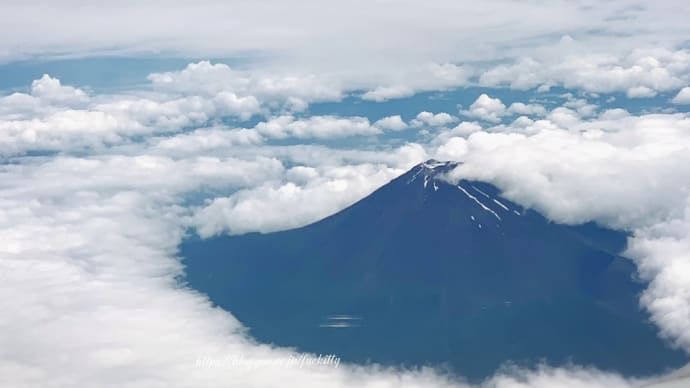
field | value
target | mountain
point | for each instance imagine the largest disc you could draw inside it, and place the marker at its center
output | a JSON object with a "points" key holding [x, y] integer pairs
{"points": [[424, 272]]}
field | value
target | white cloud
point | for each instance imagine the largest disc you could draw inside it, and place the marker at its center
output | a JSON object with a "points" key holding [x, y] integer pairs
{"points": [[522, 122], [391, 123], [305, 34], [62, 129], [464, 129], [299, 59], [640, 73], [47, 95], [622, 171], [284, 205], [433, 120], [564, 117], [208, 139], [522, 75], [683, 96], [545, 377], [486, 108], [527, 109], [87, 248], [581, 106], [384, 93], [453, 149], [166, 115], [641, 92], [201, 77], [229, 104], [273, 89], [58, 117], [614, 114], [417, 79], [87, 244], [50, 89], [88, 271], [323, 127], [306, 194]]}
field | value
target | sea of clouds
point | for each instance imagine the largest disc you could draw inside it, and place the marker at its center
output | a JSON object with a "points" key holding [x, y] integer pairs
{"points": [[97, 189]]}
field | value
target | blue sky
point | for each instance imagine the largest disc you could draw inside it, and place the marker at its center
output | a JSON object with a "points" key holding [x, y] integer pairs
{"points": [[126, 127]]}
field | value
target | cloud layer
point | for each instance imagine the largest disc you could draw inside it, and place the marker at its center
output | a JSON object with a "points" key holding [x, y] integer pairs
{"points": [[307, 46], [627, 173], [97, 190]]}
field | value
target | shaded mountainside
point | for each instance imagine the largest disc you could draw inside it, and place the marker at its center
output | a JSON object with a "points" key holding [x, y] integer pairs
{"points": [[423, 272]]}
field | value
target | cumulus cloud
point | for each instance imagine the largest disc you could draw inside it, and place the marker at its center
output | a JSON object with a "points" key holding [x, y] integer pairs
{"points": [[205, 140], [433, 119], [580, 105], [293, 67], [622, 171], [290, 91], [640, 92], [563, 116], [384, 93], [544, 377], [683, 96], [640, 73], [200, 77], [487, 109], [60, 130], [614, 114], [391, 123], [316, 127], [452, 149], [523, 74], [493, 110], [285, 205], [418, 79], [521, 108], [88, 236], [50, 89], [88, 258], [305, 194], [88, 241], [89, 274], [47, 95], [55, 117], [229, 104], [464, 129], [309, 37]]}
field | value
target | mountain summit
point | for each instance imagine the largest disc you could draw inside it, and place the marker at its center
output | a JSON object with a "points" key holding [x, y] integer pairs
{"points": [[425, 272]]}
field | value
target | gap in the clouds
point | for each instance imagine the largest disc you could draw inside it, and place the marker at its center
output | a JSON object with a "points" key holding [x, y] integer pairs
{"points": [[423, 273]]}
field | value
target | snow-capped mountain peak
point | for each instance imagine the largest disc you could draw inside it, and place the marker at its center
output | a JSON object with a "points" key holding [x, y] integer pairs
{"points": [[485, 199], [430, 172]]}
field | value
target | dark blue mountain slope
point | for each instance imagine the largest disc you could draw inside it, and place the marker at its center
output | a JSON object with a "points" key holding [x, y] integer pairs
{"points": [[423, 272]]}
